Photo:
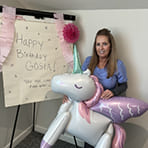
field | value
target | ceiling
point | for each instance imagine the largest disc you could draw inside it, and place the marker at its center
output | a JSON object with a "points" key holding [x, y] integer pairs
{"points": [[76, 4]]}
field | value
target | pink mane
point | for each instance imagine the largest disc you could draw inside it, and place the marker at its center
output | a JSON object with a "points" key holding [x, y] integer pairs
{"points": [[85, 105]]}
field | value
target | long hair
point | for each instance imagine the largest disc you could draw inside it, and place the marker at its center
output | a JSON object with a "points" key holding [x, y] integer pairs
{"points": [[112, 57]]}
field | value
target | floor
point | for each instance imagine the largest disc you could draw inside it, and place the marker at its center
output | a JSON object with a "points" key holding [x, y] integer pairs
{"points": [[33, 140]]}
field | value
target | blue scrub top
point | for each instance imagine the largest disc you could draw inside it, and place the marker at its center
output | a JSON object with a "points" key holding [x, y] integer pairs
{"points": [[119, 76]]}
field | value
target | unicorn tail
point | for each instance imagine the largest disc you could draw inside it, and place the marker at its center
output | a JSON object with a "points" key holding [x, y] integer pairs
{"points": [[119, 138]]}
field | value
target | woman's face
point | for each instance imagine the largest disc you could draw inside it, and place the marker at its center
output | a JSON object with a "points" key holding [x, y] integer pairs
{"points": [[102, 46]]}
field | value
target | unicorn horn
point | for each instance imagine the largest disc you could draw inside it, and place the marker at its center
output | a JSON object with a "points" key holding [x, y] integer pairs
{"points": [[77, 64]]}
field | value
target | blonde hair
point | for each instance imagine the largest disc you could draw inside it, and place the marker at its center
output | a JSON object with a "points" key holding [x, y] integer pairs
{"points": [[112, 57]]}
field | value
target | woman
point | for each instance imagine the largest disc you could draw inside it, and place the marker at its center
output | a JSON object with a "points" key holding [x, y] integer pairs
{"points": [[104, 64]]}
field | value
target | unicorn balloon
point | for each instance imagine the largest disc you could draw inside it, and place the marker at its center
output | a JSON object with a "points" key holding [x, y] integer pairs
{"points": [[86, 115]]}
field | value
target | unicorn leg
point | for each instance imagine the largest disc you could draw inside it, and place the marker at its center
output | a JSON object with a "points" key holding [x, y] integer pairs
{"points": [[106, 140], [55, 130]]}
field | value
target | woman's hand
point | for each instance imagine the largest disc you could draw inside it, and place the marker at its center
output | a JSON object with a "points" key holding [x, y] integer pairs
{"points": [[107, 94], [65, 99]]}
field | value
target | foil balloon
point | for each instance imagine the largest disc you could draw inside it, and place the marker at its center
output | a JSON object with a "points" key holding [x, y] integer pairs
{"points": [[86, 115], [74, 117], [119, 109]]}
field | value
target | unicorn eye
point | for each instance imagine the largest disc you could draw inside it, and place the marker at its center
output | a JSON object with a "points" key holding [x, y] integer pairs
{"points": [[78, 87]]}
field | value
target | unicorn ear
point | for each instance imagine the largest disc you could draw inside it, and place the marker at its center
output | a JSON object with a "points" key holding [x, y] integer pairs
{"points": [[87, 72]]}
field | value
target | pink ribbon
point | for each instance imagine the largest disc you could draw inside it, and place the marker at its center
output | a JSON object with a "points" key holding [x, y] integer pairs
{"points": [[6, 33], [84, 107], [84, 112], [66, 50], [99, 89]]}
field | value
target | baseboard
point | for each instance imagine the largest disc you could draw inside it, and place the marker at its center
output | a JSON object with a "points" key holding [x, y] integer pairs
{"points": [[20, 137], [65, 137], [40, 129]]}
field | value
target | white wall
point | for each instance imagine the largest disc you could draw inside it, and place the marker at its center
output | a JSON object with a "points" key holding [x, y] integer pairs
{"points": [[130, 29]]}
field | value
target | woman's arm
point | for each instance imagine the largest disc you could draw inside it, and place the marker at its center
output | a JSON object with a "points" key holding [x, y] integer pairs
{"points": [[119, 88], [121, 84]]}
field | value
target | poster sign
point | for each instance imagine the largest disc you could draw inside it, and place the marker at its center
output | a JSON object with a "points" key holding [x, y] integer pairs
{"points": [[35, 58]]}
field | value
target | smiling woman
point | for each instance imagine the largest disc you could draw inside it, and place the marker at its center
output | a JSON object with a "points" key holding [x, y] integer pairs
{"points": [[104, 64], [102, 49]]}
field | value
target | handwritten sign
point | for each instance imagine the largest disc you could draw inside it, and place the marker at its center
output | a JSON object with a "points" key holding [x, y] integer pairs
{"points": [[35, 58]]}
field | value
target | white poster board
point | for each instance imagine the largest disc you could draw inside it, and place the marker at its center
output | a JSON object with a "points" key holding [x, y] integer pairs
{"points": [[35, 58]]}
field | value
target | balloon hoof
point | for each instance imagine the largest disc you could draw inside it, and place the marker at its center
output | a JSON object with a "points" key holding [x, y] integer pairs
{"points": [[44, 144]]}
